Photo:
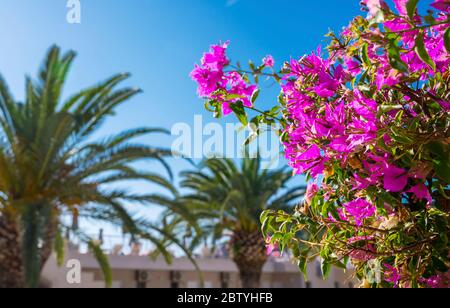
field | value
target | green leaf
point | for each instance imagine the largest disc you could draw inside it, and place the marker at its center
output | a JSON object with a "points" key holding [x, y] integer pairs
{"points": [[59, 248], [326, 269], [381, 208], [102, 260], [411, 8], [429, 18], [439, 264], [275, 110], [303, 263], [208, 107], [365, 54], [230, 97], [325, 208], [400, 136], [277, 237], [281, 100], [341, 265], [252, 66], [387, 108], [422, 51], [447, 39], [250, 139], [215, 107], [441, 153], [442, 169], [239, 111], [266, 220], [394, 58], [255, 96]]}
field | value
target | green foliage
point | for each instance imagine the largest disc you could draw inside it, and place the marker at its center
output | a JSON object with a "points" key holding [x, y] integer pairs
{"points": [[388, 114], [422, 51], [411, 8], [394, 56], [441, 159], [102, 260], [59, 248], [239, 111], [447, 39]]}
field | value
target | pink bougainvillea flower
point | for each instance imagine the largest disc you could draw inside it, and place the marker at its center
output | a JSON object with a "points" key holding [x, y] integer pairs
{"points": [[226, 109], [361, 182], [395, 179], [341, 215], [445, 105], [272, 248], [392, 275], [209, 75], [408, 37], [374, 6], [311, 192], [365, 107], [235, 85], [433, 282], [387, 76], [360, 209], [269, 61], [442, 5], [357, 239], [353, 67], [421, 192], [216, 84], [216, 59], [441, 280], [401, 6], [206, 79], [364, 254], [308, 158], [365, 132], [327, 85], [341, 130]]}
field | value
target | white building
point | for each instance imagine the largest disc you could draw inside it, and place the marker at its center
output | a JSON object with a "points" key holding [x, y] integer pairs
{"points": [[141, 272]]}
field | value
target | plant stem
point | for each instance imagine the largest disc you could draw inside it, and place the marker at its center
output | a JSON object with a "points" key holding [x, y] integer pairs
{"points": [[264, 113], [419, 27]]}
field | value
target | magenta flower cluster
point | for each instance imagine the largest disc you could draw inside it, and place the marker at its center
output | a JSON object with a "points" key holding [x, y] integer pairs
{"points": [[367, 121], [360, 209], [216, 84], [334, 122]]}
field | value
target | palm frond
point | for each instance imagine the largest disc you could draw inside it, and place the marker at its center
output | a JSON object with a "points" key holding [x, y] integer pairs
{"points": [[227, 197], [103, 261], [59, 248]]}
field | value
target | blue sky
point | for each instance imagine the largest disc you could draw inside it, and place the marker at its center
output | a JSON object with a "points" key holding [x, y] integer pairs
{"points": [[158, 41]]}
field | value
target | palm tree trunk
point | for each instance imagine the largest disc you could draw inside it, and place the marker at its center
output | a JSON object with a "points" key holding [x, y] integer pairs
{"points": [[250, 275], [248, 250], [12, 270], [11, 265]]}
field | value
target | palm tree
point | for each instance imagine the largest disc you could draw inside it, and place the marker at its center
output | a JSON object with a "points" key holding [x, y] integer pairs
{"points": [[52, 169], [228, 200]]}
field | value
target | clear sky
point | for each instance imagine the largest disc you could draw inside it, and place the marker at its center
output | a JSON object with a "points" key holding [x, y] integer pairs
{"points": [[158, 41]]}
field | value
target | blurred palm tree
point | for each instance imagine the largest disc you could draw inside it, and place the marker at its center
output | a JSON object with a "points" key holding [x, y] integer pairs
{"points": [[51, 168], [228, 200]]}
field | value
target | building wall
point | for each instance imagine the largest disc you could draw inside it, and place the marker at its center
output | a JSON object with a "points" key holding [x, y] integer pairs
{"points": [[276, 274]]}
